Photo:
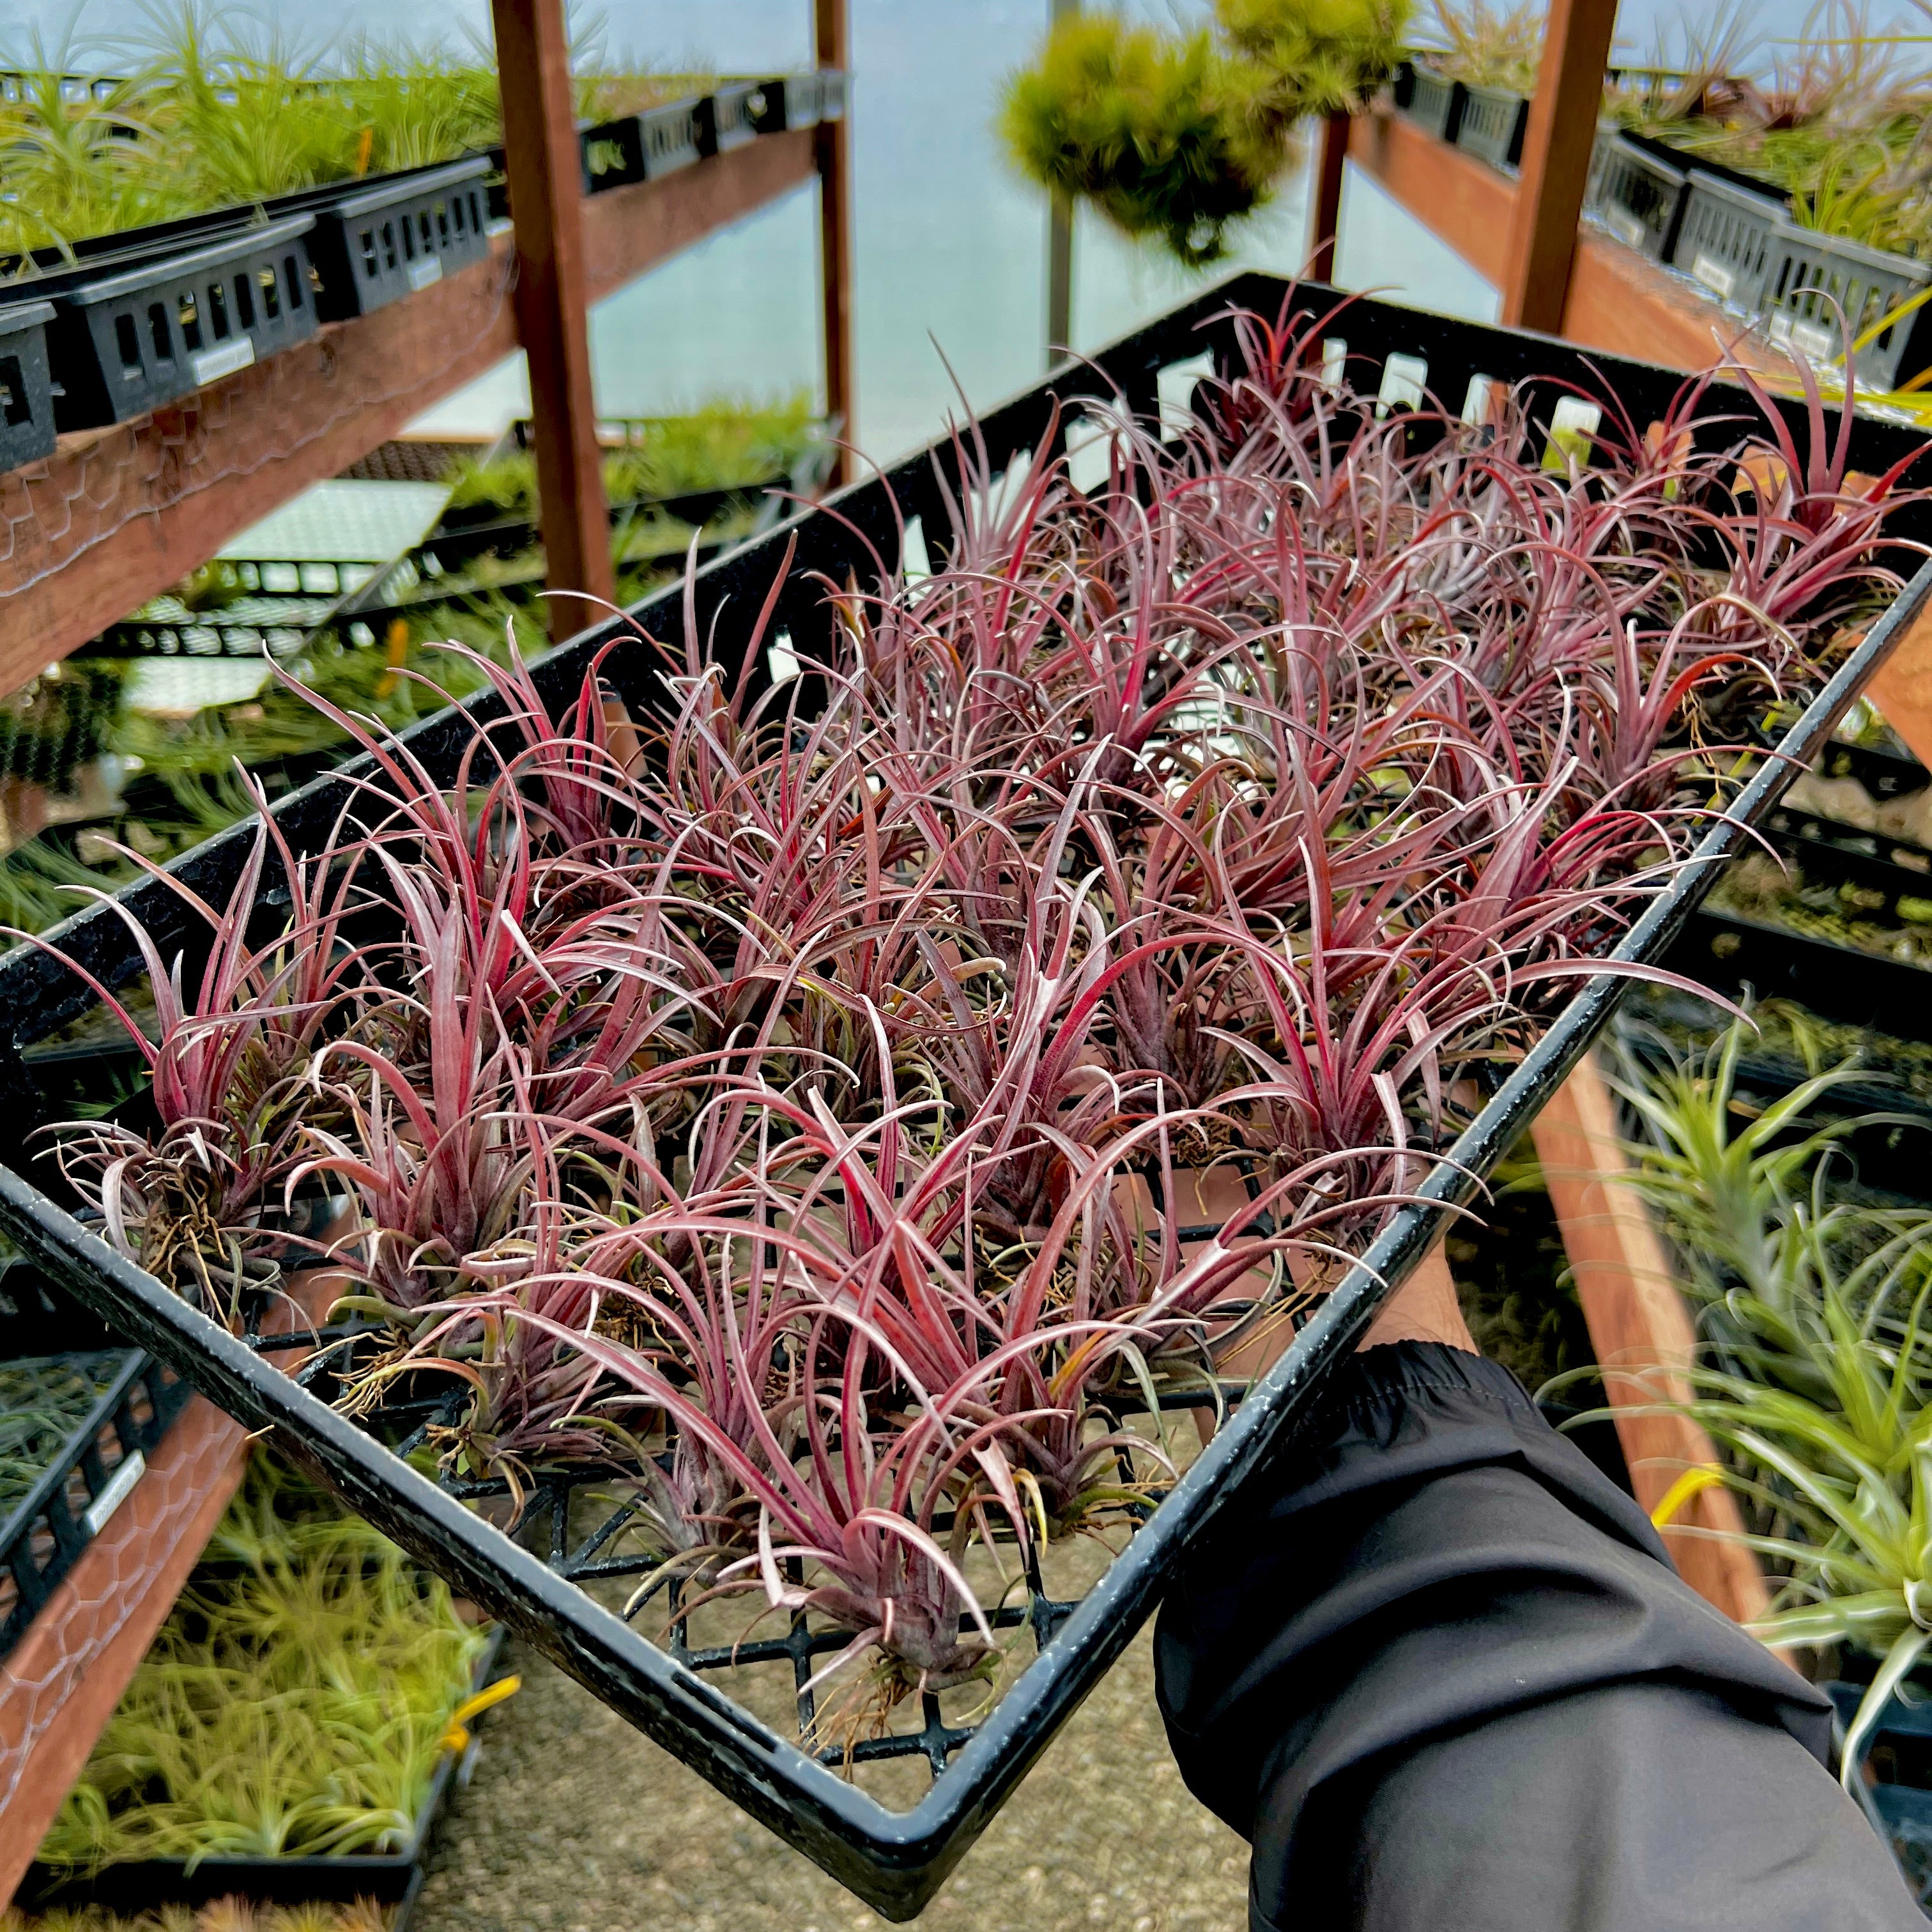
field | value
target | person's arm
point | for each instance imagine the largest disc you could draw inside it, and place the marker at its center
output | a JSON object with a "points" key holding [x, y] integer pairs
{"points": [[1443, 1677]]}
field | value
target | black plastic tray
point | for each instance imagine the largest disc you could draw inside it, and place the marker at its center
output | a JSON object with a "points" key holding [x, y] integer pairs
{"points": [[1637, 195], [1813, 280], [1434, 104], [1901, 1813], [134, 330], [725, 118], [390, 1878], [26, 385], [94, 1472], [644, 146], [377, 243], [1492, 126], [895, 1860], [784, 102], [1726, 238]]}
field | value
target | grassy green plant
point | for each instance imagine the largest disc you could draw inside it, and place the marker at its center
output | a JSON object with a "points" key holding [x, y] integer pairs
{"points": [[214, 108], [1484, 45], [295, 1706], [723, 445]]}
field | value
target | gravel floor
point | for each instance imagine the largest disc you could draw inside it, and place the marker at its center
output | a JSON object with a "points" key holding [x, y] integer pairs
{"points": [[575, 1822]]}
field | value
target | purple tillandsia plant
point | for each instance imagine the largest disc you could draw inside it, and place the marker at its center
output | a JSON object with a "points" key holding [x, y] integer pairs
{"points": [[780, 1116]]}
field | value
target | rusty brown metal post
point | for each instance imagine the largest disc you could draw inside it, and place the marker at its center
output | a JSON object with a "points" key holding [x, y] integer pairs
{"points": [[1324, 195], [546, 182], [1556, 162], [832, 37]]}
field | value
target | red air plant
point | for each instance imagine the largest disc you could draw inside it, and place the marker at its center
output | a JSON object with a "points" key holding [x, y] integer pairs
{"points": [[784, 1107]]}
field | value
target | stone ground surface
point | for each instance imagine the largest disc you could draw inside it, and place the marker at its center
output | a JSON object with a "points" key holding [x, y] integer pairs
{"points": [[575, 1822]]}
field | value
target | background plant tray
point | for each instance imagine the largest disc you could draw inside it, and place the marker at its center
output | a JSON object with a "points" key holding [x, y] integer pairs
{"points": [[390, 1878], [552, 1582], [1434, 104], [1898, 1758], [89, 1474], [136, 328], [1491, 126], [26, 385], [1636, 194]]}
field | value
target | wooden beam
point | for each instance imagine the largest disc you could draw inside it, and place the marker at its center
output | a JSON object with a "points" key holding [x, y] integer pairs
{"points": [[832, 38], [1642, 1335], [1556, 168], [116, 516], [1617, 300], [542, 163], [1901, 688], [1325, 194]]}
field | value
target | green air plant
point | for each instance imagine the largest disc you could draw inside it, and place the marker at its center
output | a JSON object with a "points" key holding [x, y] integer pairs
{"points": [[295, 1704], [1728, 1178], [1820, 1395], [1166, 136]]}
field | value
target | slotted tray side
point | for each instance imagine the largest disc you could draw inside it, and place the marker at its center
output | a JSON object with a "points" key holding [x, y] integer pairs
{"points": [[893, 1859]]}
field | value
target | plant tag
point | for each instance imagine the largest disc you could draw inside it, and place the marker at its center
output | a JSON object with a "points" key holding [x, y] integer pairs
{"points": [[1089, 447], [1479, 404], [126, 1473], [212, 365], [1813, 339], [1403, 379], [1572, 425], [1625, 226], [781, 660], [1720, 277], [1334, 359], [428, 270], [1175, 386]]}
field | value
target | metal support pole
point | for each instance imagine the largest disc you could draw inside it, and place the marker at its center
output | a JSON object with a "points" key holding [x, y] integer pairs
{"points": [[1556, 168], [832, 37], [1324, 195], [1060, 250], [546, 182]]}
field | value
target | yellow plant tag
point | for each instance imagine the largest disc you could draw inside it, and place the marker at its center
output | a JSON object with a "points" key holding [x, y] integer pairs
{"points": [[456, 1738], [1692, 1483]]}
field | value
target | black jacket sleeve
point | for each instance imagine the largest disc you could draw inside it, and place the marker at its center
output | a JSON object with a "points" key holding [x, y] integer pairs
{"points": [[1448, 1682]]}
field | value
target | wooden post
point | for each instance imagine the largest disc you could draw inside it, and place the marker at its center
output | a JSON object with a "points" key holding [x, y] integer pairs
{"points": [[546, 182], [1902, 687], [1324, 195], [1642, 1335], [831, 35], [1556, 169], [1060, 250]]}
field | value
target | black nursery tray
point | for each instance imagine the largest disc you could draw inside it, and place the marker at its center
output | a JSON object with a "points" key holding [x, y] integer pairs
{"points": [[376, 242], [26, 385], [390, 1878], [87, 1475], [137, 329], [549, 1581]]}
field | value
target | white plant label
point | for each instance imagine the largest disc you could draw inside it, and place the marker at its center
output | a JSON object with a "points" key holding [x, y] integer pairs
{"points": [[212, 365], [428, 270], [126, 1473]]}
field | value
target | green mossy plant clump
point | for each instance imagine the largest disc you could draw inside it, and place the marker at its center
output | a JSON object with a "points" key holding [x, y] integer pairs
{"points": [[295, 1704], [1173, 137]]}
